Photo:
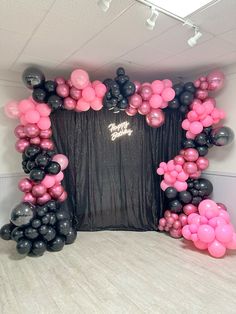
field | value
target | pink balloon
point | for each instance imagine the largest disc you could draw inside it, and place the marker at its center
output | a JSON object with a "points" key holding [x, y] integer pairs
{"points": [[60, 80], [47, 144], [205, 205], [175, 216], [43, 109], [146, 92], [185, 124], [164, 185], [223, 214], [167, 83], [180, 186], [207, 121], [189, 209], [26, 105], [216, 249], [155, 118], [137, 86], [177, 224], [45, 133], [224, 233], [176, 233], [193, 227], [221, 206], [43, 199], [35, 141], [206, 233], [168, 94], [183, 219], [19, 131], [157, 86], [202, 78], [28, 197], [179, 160], [59, 177], [31, 130], [155, 101], [204, 85], [135, 101], [162, 222], [63, 90], [21, 145], [191, 154], [25, 185], [202, 163], [32, 116], [75, 93], [96, 104], [82, 105], [190, 135], [44, 123], [186, 232], [88, 93], [197, 83], [190, 167], [48, 181], [232, 244], [79, 78], [211, 213], [196, 127], [131, 111], [62, 197], [11, 109], [170, 220], [200, 245], [100, 90], [160, 171], [69, 103], [145, 108], [69, 83], [201, 94], [215, 80], [62, 160], [56, 191], [38, 190]]}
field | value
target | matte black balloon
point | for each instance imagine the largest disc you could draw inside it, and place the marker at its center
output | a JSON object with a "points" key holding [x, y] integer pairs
{"points": [[55, 102], [50, 235], [50, 86], [120, 71], [202, 150], [178, 88], [37, 174], [52, 205], [201, 139], [185, 197], [31, 233], [171, 192], [32, 77], [222, 136], [183, 109], [190, 87], [196, 200], [186, 98], [61, 214], [42, 160], [36, 223], [71, 236], [174, 104], [5, 231], [206, 187], [23, 246], [175, 206], [42, 210], [63, 226], [38, 247], [56, 244], [39, 95], [22, 214], [43, 229], [53, 167], [123, 104], [31, 151], [188, 143], [17, 234]]}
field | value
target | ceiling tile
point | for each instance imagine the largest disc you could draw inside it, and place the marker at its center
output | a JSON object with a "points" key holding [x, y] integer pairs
{"points": [[230, 37]]}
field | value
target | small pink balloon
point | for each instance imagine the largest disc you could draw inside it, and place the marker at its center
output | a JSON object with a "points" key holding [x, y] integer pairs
{"points": [[145, 108], [204, 85], [44, 110], [162, 222], [160, 228], [190, 167], [56, 191], [19, 131], [168, 94], [79, 78], [44, 123], [202, 163], [21, 145], [63, 90], [221, 206], [223, 214], [186, 124], [155, 118], [197, 83], [179, 160], [177, 224], [47, 144], [75, 93], [196, 127], [25, 185], [193, 227], [32, 116], [167, 83], [69, 83], [11, 109], [130, 111], [186, 232], [157, 86], [26, 105], [156, 101], [190, 135], [96, 104], [137, 86], [45, 133], [180, 186], [49, 181], [100, 90], [38, 190], [200, 245], [43, 199], [58, 177], [88, 93], [176, 233], [189, 209], [170, 220], [216, 249], [202, 78], [232, 244], [63, 197], [207, 121], [215, 80], [69, 103], [183, 219], [146, 92], [60, 80], [167, 214], [191, 154], [29, 198], [135, 101], [164, 185], [82, 105], [201, 94], [31, 130], [35, 141], [62, 160], [175, 216]]}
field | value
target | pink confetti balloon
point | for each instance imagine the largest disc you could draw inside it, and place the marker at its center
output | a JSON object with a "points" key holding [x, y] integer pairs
{"points": [[215, 80], [155, 118], [19, 131], [69, 103], [21, 145], [62, 160], [31, 130], [25, 185], [75, 93], [63, 90], [79, 78], [11, 110]]}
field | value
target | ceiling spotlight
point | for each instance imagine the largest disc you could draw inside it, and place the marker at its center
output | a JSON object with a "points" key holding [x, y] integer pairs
{"points": [[193, 40], [151, 21], [104, 5]]}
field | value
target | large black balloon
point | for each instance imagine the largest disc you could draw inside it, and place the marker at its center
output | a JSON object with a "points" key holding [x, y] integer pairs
{"points": [[71, 236], [56, 244], [37, 174], [23, 246], [42, 160], [55, 102], [32, 77], [39, 95], [185, 197], [22, 214], [53, 167], [128, 89], [171, 192], [175, 206], [17, 234], [38, 248], [50, 235], [222, 136], [201, 139], [186, 98], [50, 86], [206, 187], [31, 151], [6, 230], [63, 226], [31, 233]]}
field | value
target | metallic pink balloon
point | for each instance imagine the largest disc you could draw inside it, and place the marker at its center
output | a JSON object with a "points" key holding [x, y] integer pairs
{"points": [[221, 206], [145, 108], [19, 131], [31, 130], [190, 167], [43, 199], [131, 111], [56, 191], [135, 101], [191, 154], [190, 209], [215, 80], [201, 94], [45, 133], [179, 160], [28, 197], [202, 163], [47, 144], [25, 185], [21, 145], [38, 190], [204, 85], [146, 92], [60, 80], [137, 86], [63, 90], [176, 233], [63, 197], [155, 118], [75, 93], [183, 219], [35, 140], [69, 83], [69, 103]]}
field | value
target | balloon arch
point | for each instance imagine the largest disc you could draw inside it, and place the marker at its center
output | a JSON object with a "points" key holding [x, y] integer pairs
{"points": [[38, 223]]}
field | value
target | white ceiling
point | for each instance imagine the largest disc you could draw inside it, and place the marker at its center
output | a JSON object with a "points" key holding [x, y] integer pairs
{"points": [[59, 35]]}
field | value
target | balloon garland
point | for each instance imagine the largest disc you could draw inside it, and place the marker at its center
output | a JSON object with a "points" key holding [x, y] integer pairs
{"points": [[39, 224]]}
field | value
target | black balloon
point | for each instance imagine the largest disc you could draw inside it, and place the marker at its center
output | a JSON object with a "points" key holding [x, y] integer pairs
{"points": [[206, 187], [30, 165], [56, 244], [174, 104], [38, 248], [43, 229], [222, 136], [32, 77], [123, 104], [202, 150], [201, 139], [36, 223], [31, 151], [6, 230], [194, 192], [39, 95], [42, 160], [17, 234], [52, 205], [128, 89], [31, 233], [55, 102], [50, 235], [53, 168], [185, 197], [45, 219], [175, 206], [71, 236], [190, 87], [120, 71], [178, 88], [171, 192], [196, 200], [23, 246], [186, 98], [183, 109], [37, 174], [63, 226], [50, 86], [52, 219], [22, 214], [188, 143], [61, 214], [41, 210]]}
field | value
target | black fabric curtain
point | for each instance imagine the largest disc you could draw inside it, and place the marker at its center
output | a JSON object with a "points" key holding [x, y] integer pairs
{"points": [[112, 184]]}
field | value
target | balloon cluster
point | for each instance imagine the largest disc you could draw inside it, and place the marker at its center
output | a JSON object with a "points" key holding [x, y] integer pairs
{"points": [[39, 228], [118, 91], [149, 99], [186, 201], [210, 229], [173, 223], [184, 96], [202, 115]]}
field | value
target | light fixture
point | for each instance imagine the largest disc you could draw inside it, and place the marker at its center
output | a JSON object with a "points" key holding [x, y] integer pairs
{"points": [[151, 21], [193, 40], [104, 5]]}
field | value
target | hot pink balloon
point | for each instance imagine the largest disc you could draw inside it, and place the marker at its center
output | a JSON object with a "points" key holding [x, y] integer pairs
{"points": [[180, 186], [190, 167], [135, 101], [47, 144], [186, 124], [35, 141], [145, 108], [189, 209], [196, 127], [179, 160], [197, 83], [11, 109], [224, 233], [202, 163], [88, 93], [221, 206], [191, 154], [32, 116], [44, 123], [69, 103], [43, 199], [31, 130], [200, 245], [49, 181], [164, 185], [176, 233], [38, 190], [100, 90], [28, 197], [26, 105], [62, 160], [96, 104], [201, 94], [155, 118], [183, 219], [190, 135], [79, 78], [25, 185], [215, 80], [60, 80], [232, 244], [162, 222], [205, 205], [167, 214], [58, 177], [21, 145], [63, 90], [157, 86], [186, 232], [216, 249], [62, 197], [223, 214], [168, 94], [167, 83], [82, 105], [131, 111], [43, 109], [146, 92], [45, 133], [75, 93], [155, 101], [206, 233], [19, 131]]}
